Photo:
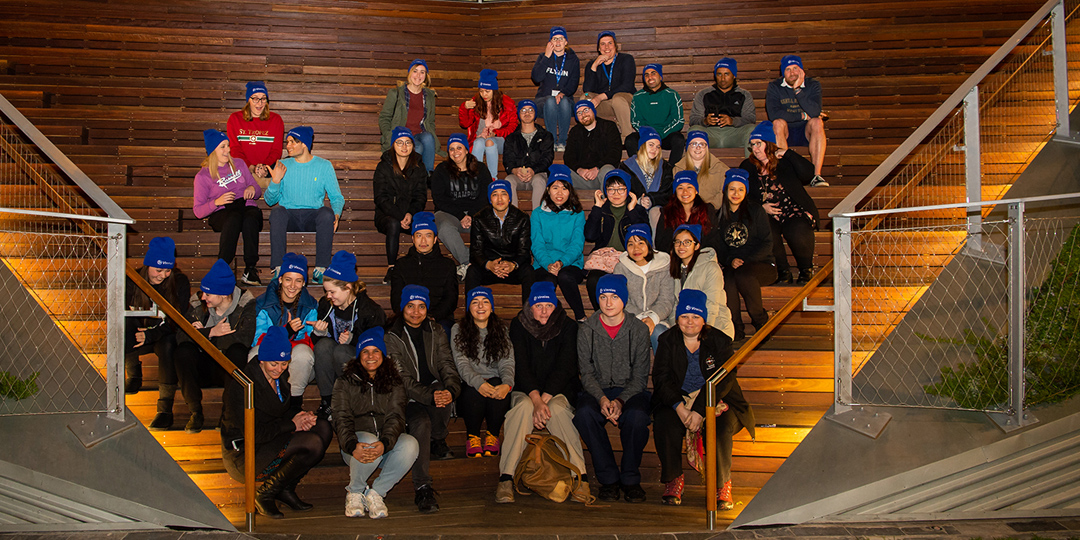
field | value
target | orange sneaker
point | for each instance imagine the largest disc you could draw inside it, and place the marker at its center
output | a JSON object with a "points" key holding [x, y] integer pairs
{"points": [[472, 446], [724, 501], [491, 444]]}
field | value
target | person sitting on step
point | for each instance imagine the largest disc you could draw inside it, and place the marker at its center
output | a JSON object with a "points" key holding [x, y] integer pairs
{"points": [[425, 265], [288, 304]]}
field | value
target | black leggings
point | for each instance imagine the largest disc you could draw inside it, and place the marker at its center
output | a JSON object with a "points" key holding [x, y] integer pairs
{"points": [[568, 279], [475, 408], [392, 229], [799, 234], [592, 278], [310, 446], [746, 281], [230, 221]]}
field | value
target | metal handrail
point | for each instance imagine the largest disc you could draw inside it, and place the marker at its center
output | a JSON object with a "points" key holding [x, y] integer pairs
{"points": [[230, 368], [879, 174], [65, 215], [974, 204], [61, 160]]}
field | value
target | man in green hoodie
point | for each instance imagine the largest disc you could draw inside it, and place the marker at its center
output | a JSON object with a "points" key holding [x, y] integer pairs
{"points": [[660, 108]]}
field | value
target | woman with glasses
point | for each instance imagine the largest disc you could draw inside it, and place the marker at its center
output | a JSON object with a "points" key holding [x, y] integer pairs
{"points": [[256, 135], [400, 186], [615, 210], [694, 267], [710, 171], [556, 74]]}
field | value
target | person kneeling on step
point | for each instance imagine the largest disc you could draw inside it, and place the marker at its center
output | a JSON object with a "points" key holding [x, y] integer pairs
{"points": [[422, 351], [288, 441]]}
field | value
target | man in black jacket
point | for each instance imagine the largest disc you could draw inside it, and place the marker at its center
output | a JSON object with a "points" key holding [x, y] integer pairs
{"points": [[527, 154], [422, 352], [500, 245], [593, 147], [425, 265]]}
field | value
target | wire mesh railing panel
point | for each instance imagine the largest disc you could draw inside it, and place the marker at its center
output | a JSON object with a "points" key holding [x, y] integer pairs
{"points": [[955, 294], [54, 311], [1052, 328]]}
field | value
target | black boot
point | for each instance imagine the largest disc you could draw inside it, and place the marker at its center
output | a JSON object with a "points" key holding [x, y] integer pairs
{"points": [[164, 418], [132, 375], [289, 497], [287, 474]]}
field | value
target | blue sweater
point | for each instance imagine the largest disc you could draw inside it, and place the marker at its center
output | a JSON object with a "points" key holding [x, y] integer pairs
{"points": [[556, 73], [306, 186], [557, 236]]}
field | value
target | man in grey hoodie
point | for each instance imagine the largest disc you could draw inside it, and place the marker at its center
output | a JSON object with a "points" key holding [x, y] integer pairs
{"points": [[613, 358]]}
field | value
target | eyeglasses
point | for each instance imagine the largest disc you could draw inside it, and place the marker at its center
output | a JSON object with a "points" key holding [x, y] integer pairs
{"points": [[685, 243], [259, 99], [403, 142], [616, 190], [699, 144]]}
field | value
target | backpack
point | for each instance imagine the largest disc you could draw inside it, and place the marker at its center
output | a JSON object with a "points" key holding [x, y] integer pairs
{"points": [[544, 469]]}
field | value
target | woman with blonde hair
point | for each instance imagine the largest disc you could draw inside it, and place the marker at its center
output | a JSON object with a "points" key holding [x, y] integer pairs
{"points": [[227, 196], [710, 171], [412, 104], [651, 176], [256, 135]]}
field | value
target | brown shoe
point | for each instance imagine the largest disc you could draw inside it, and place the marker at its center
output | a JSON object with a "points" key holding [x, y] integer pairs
{"points": [[505, 492]]}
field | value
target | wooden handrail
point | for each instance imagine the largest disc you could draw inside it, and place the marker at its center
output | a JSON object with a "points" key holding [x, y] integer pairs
{"points": [[230, 368]]}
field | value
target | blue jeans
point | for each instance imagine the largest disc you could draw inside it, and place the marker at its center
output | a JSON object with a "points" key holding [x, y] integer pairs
{"points": [[655, 337], [633, 432], [556, 116], [489, 154], [424, 144], [395, 464]]}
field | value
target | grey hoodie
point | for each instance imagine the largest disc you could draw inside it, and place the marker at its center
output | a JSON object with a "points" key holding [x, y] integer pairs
{"points": [[622, 362]]}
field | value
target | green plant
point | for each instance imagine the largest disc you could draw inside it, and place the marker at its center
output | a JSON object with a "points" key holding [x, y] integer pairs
{"points": [[12, 387], [1052, 362]]}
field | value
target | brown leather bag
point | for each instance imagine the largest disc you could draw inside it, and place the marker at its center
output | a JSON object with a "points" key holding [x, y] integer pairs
{"points": [[544, 469]]}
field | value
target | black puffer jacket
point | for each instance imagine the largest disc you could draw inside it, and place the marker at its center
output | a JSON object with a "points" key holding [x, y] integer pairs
{"points": [[358, 407], [538, 156], [397, 195], [511, 240], [432, 270]]}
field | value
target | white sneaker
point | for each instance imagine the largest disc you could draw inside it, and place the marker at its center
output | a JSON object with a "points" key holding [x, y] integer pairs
{"points": [[462, 269], [375, 506], [354, 505], [560, 147]]}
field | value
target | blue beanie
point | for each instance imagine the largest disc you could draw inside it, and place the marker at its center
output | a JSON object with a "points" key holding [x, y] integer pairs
{"points": [[417, 62], [790, 60], [342, 267], [541, 292], [372, 337], [424, 221], [399, 132], [693, 229], [684, 177], [697, 134], [489, 79], [557, 31], [613, 283], [304, 134], [219, 280], [558, 171], [498, 184], [161, 253], [256, 87], [729, 63], [616, 173], [294, 262], [605, 33], [644, 134], [458, 138], [659, 69], [763, 132], [693, 301], [212, 138], [275, 345], [641, 230], [584, 103], [736, 175], [414, 292], [526, 103], [479, 291]]}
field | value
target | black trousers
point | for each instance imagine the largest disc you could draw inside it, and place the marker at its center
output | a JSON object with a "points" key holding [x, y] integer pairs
{"points": [[669, 433], [474, 409], [799, 235], [425, 423], [676, 142], [196, 370], [478, 275], [232, 220], [746, 281], [568, 279], [392, 229], [592, 278]]}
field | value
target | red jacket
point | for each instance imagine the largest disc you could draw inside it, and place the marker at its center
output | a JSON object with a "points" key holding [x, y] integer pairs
{"points": [[469, 120]]}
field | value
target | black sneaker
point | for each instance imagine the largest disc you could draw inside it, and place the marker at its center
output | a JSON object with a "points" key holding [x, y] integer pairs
{"points": [[251, 277], [804, 276], [440, 450], [325, 412], [634, 493], [608, 493], [784, 278], [425, 500], [386, 278]]}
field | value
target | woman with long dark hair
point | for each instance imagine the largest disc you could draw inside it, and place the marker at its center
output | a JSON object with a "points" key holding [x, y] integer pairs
{"points": [[694, 267], [489, 117], [480, 342], [458, 189], [685, 208], [558, 238], [369, 419], [400, 191], [778, 178], [288, 441], [744, 243]]}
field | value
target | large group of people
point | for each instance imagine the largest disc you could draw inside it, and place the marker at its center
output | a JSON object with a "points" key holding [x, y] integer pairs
{"points": [[680, 243]]}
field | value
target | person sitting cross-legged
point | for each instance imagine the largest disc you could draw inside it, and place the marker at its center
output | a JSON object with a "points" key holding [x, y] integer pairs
{"points": [[613, 358]]}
